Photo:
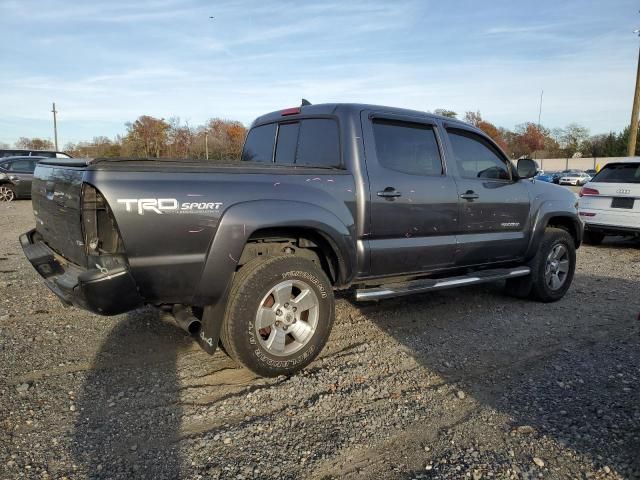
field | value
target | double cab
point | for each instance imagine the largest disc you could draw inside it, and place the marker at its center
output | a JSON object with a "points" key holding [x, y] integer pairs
{"points": [[373, 200]]}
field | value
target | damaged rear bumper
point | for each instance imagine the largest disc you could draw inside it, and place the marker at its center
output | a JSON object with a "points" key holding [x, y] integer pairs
{"points": [[106, 291]]}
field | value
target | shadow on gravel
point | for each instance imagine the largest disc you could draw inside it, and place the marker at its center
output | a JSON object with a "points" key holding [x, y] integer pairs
{"points": [[129, 411], [569, 371], [620, 242]]}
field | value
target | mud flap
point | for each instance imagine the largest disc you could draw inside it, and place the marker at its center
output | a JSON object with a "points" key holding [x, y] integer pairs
{"points": [[212, 318]]}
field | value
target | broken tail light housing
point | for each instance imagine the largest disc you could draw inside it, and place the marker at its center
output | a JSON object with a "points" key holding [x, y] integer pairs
{"points": [[101, 235]]}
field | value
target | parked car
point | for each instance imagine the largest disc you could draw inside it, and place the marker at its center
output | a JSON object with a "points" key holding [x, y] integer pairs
{"points": [[16, 174], [558, 175], [545, 177], [610, 203], [575, 178], [376, 201], [16, 152], [591, 172]]}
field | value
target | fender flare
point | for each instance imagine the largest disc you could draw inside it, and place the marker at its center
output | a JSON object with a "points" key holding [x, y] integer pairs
{"points": [[237, 225], [550, 209]]}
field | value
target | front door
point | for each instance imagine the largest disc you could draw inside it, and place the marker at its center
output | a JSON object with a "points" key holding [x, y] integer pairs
{"points": [[494, 205], [414, 205]]}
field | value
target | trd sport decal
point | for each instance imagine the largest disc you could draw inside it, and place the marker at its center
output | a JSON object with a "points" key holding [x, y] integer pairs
{"points": [[167, 205]]}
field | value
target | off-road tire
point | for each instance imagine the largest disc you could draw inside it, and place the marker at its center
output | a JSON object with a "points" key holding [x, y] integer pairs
{"points": [[252, 282], [534, 285], [593, 238]]}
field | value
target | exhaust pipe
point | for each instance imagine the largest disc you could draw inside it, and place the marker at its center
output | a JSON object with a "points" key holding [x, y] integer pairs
{"points": [[183, 317]]}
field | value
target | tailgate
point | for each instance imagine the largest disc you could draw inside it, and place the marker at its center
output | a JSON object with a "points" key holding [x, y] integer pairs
{"points": [[56, 193]]}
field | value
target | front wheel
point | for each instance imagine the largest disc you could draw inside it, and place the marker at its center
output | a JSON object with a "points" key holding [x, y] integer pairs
{"points": [[279, 316], [552, 269]]}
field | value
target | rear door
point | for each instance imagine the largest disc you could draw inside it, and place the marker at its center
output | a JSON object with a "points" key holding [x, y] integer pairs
{"points": [[414, 204], [494, 205], [21, 174]]}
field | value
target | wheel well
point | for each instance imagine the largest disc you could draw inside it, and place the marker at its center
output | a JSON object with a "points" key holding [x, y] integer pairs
{"points": [[567, 224], [303, 242]]}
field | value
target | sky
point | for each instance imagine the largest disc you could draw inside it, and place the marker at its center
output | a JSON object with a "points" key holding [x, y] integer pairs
{"points": [[106, 63]]}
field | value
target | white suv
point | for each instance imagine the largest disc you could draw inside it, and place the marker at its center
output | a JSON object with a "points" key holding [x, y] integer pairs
{"points": [[610, 202]]}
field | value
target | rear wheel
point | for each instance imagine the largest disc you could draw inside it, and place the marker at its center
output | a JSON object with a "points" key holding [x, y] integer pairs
{"points": [[552, 269], [279, 315], [593, 238], [7, 193]]}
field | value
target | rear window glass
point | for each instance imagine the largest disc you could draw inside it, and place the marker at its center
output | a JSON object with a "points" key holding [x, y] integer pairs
{"points": [[287, 142], [620, 173], [313, 141], [318, 144], [258, 146]]}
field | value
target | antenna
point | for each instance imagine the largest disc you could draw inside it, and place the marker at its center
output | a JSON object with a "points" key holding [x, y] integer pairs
{"points": [[305, 102]]}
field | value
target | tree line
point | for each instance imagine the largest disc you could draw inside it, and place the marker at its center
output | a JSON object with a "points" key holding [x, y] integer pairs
{"points": [[533, 140], [148, 136]]}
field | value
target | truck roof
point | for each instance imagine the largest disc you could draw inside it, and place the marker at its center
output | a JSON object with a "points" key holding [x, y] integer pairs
{"points": [[353, 108]]}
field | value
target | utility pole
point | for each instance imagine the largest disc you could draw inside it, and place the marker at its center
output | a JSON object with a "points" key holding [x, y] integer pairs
{"points": [[540, 109], [539, 115], [633, 131], [55, 125], [206, 144]]}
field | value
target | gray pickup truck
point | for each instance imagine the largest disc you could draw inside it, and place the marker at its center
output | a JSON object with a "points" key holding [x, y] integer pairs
{"points": [[377, 201]]}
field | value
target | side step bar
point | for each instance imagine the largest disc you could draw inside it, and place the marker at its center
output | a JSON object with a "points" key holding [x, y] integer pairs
{"points": [[425, 285]]}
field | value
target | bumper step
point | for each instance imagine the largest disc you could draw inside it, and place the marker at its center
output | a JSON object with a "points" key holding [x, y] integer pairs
{"points": [[425, 285]]}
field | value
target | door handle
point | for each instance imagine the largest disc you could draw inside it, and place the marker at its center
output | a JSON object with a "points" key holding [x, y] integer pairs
{"points": [[389, 192], [469, 195]]}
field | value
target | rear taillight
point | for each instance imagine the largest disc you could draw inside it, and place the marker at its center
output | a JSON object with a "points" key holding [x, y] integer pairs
{"points": [[586, 191], [99, 228]]}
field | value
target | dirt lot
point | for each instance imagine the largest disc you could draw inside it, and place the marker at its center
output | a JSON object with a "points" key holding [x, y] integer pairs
{"points": [[454, 384]]}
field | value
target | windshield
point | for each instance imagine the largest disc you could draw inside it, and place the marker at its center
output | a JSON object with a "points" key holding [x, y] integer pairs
{"points": [[619, 173]]}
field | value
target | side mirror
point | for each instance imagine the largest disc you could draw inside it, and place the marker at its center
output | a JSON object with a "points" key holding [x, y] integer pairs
{"points": [[527, 168]]}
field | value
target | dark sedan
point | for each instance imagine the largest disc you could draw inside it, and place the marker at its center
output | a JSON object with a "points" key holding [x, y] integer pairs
{"points": [[16, 174]]}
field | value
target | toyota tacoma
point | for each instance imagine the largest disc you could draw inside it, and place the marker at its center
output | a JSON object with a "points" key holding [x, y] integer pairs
{"points": [[377, 201]]}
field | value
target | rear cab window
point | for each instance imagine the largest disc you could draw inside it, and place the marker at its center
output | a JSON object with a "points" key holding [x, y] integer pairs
{"points": [[313, 142], [619, 173], [258, 147]]}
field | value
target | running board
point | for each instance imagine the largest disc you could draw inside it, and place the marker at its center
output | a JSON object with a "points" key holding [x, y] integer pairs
{"points": [[426, 285]]}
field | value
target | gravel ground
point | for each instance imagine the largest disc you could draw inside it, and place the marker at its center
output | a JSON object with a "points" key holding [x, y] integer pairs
{"points": [[454, 384]]}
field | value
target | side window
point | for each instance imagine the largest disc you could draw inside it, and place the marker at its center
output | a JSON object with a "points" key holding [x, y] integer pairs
{"points": [[407, 147], [318, 143], [258, 147], [24, 166], [287, 142], [476, 158]]}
